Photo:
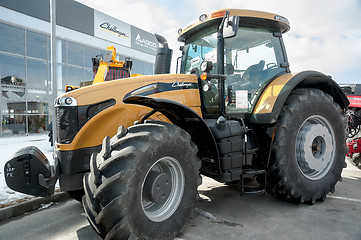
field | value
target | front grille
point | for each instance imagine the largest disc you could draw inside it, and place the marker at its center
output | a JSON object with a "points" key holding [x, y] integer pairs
{"points": [[66, 124]]}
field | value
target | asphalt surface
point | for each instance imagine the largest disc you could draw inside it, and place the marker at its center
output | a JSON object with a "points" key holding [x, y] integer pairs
{"points": [[220, 213]]}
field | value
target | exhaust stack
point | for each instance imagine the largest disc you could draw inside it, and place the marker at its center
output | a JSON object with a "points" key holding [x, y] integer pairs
{"points": [[163, 56]]}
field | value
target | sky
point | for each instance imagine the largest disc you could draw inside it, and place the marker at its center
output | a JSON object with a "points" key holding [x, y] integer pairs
{"points": [[325, 35]]}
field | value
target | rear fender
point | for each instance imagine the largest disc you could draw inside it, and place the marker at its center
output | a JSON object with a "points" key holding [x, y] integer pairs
{"points": [[272, 99], [187, 119]]}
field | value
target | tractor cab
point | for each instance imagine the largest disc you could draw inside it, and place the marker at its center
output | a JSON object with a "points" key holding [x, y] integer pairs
{"points": [[247, 51]]}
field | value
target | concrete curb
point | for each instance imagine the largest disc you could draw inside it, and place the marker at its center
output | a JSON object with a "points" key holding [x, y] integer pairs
{"points": [[31, 205]]}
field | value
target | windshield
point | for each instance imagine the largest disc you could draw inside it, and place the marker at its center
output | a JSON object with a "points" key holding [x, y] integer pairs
{"points": [[251, 59], [200, 47]]}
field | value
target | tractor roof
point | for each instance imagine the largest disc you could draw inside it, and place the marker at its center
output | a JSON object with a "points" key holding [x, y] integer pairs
{"points": [[247, 17]]}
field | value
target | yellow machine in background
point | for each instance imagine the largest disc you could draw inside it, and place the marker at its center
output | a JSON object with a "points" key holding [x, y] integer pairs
{"points": [[107, 68]]}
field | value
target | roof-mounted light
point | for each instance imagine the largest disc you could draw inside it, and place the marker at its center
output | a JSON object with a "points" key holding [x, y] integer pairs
{"points": [[203, 17]]}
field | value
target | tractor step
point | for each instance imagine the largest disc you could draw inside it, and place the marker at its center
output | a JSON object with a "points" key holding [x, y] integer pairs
{"points": [[249, 185], [252, 191], [254, 171], [250, 151]]}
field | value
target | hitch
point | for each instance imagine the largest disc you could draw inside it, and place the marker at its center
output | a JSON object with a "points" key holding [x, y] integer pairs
{"points": [[29, 172]]}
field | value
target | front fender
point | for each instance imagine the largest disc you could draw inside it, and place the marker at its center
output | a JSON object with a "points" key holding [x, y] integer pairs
{"points": [[190, 121]]}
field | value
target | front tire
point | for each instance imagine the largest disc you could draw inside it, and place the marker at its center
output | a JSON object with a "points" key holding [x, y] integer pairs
{"points": [[143, 184], [309, 147]]}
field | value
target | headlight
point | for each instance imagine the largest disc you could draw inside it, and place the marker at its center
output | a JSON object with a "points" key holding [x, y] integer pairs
{"points": [[68, 101], [65, 101]]}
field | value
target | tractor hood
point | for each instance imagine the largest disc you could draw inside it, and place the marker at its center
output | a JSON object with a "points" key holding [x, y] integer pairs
{"points": [[141, 85], [86, 115]]}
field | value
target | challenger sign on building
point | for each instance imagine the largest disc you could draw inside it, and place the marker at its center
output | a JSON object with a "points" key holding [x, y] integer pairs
{"points": [[119, 32]]}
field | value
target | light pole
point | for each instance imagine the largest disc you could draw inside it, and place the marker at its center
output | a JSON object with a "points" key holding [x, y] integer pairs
{"points": [[53, 65]]}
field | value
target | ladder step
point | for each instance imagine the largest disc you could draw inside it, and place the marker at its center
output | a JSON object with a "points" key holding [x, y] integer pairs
{"points": [[253, 191], [251, 151], [254, 171]]}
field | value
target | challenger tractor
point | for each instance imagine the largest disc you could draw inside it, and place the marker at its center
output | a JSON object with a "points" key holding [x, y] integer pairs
{"points": [[235, 113]]}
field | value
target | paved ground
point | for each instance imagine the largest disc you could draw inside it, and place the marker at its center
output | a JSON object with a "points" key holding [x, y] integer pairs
{"points": [[220, 214]]}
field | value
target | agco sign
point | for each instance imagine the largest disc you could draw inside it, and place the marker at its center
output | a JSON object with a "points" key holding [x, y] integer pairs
{"points": [[145, 42]]}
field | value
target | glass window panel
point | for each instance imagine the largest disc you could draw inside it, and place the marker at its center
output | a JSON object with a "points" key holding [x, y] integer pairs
{"points": [[37, 74], [49, 43], [88, 77], [138, 67], [120, 57], [37, 107], [13, 124], [75, 76], [36, 45], [38, 101], [12, 39], [89, 53], [37, 123], [75, 54], [101, 52], [148, 69], [13, 100], [12, 70], [61, 76], [64, 50]]}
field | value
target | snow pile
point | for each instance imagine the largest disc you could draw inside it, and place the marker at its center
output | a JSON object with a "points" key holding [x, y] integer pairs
{"points": [[9, 145]]}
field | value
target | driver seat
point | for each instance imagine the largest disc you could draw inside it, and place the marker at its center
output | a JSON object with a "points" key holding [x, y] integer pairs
{"points": [[253, 70]]}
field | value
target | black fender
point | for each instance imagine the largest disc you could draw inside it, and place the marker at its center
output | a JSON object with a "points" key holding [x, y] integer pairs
{"points": [[305, 79], [191, 122]]}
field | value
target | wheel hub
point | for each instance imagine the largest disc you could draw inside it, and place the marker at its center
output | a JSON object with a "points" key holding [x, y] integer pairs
{"points": [[314, 148], [157, 187], [162, 189]]}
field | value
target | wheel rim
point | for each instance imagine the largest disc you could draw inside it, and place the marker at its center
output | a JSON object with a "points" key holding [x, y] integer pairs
{"points": [[352, 128], [162, 189], [315, 147]]}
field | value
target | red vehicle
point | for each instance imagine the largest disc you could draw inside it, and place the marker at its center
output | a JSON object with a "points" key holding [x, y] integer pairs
{"points": [[353, 115]]}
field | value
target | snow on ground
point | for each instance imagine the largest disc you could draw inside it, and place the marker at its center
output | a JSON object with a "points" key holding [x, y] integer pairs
{"points": [[9, 145]]}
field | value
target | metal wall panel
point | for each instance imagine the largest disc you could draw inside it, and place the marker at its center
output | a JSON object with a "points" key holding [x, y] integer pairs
{"points": [[76, 16], [35, 8]]}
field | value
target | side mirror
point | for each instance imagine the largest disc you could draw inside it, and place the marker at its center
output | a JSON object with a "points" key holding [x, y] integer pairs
{"points": [[230, 27]]}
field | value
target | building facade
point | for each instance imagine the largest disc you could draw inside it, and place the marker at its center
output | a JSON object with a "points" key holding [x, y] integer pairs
{"points": [[81, 34]]}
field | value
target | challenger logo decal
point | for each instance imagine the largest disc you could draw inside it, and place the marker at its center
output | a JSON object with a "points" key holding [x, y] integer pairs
{"points": [[181, 84], [112, 29], [161, 87]]}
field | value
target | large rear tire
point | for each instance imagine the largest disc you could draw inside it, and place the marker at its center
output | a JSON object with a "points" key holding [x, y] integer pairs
{"points": [[309, 148], [143, 183]]}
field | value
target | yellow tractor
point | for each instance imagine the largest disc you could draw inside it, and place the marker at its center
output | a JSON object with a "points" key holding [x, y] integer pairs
{"points": [[235, 113]]}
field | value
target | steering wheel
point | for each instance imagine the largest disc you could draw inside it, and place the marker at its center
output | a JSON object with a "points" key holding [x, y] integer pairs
{"points": [[271, 65]]}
